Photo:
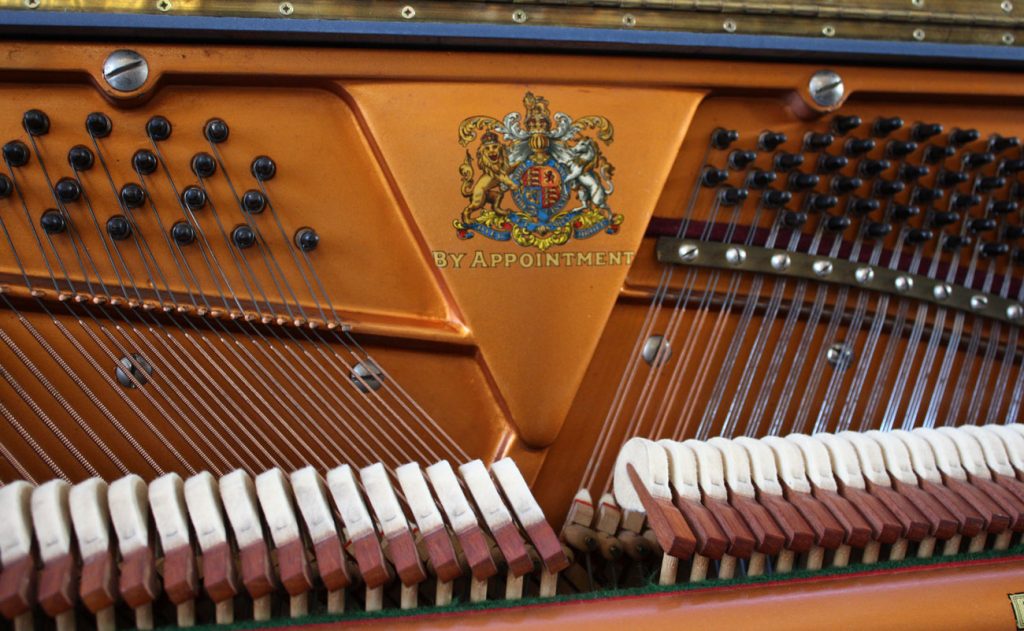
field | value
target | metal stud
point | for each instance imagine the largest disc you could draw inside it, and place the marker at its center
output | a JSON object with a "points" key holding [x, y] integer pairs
{"points": [[736, 256], [822, 268], [781, 262], [839, 355], [864, 275], [942, 291], [1014, 312], [366, 376], [979, 302], [688, 252], [656, 351], [125, 70], [904, 284], [826, 88]]}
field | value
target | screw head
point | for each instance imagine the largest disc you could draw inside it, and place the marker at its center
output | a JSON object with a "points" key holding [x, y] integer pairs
{"points": [[1006, 6], [629, 20], [918, 34], [125, 70], [864, 275], [781, 262], [286, 8], [1014, 312], [735, 256], [822, 268], [979, 302], [826, 88], [729, 26], [942, 291], [1008, 39], [408, 12], [519, 16], [688, 252], [828, 30], [904, 283]]}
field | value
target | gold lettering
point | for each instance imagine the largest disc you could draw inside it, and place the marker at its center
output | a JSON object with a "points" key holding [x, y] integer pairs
{"points": [[526, 259], [510, 259], [599, 258], [584, 258], [496, 259], [440, 258], [567, 258], [629, 257], [615, 258], [478, 259], [457, 258], [551, 259]]}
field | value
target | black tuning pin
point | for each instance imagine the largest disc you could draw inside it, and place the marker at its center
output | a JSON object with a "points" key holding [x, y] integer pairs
{"points": [[119, 228], [819, 203], [978, 159], [6, 186], [842, 184], [999, 144], [845, 124], [903, 212], [1002, 207], [16, 153], [144, 162], [1012, 166], [858, 146], [981, 224], [785, 161], [913, 172], [158, 128], [132, 195], [934, 154], [923, 131], [917, 236], [194, 198], [949, 179], [722, 138], [814, 141], [990, 183], [861, 206], [953, 242], [1013, 233], [52, 222], [837, 224], [878, 230], [243, 237], [760, 179], [888, 188], [713, 177], [770, 140], [802, 181], [263, 168], [216, 130], [730, 196], [1018, 255], [183, 233], [941, 218], [871, 168], [963, 201], [68, 190], [885, 126], [80, 158], [776, 199], [960, 137], [830, 164], [740, 159], [900, 148], [254, 202], [306, 239], [98, 125], [203, 165], [35, 122], [927, 195], [992, 249], [794, 219]]}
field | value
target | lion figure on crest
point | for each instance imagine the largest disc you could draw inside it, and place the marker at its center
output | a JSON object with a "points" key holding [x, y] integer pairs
{"points": [[494, 180]]}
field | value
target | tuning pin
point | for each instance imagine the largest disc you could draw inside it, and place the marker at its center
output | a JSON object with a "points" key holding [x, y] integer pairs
{"points": [[194, 198], [845, 124], [1013, 233], [888, 188], [954, 242], [814, 141], [999, 144], [858, 146], [963, 201], [842, 184], [980, 225], [900, 148], [802, 181], [722, 138], [53, 222], [923, 131], [740, 159], [98, 125], [119, 228], [986, 184], [769, 140], [144, 162], [794, 219], [819, 203], [158, 128], [913, 172], [36, 122], [183, 233], [776, 199], [837, 224], [132, 195], [885, 126], [16, 153], [949, 179], [759, 179], [830, 164], [216, 130], [713, 177], [80, 158], [306, 239], [903, 212], [1012, 166], [203, 165], [254, 202], [978, 159], [871, 168], [6, 186], [263, 168], [1002, 207], [934, 154], [860, 206], [243, 237], [917, 236], [878, 230], [993, 249], [960, 137], [68, 190], [942, 218], [731, 196], [927, 195], [785, 161]]}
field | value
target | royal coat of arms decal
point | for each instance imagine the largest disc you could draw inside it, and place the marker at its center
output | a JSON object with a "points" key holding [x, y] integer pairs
{"points": [[538, 163]]}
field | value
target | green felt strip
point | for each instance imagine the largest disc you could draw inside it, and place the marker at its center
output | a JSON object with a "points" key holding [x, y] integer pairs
{"points": [[651, 588]]}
